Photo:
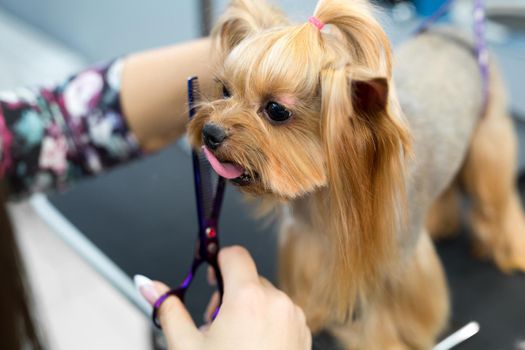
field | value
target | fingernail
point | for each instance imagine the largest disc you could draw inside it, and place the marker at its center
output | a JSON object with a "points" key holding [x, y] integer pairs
{"points": [[146, 288]]}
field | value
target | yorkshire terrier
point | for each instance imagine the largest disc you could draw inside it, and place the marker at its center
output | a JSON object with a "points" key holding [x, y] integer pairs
{"points": [[361, 155]]}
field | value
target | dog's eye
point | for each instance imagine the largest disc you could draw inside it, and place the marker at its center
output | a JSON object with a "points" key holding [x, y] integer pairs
{"points": [[277, 112], [225, 92]]}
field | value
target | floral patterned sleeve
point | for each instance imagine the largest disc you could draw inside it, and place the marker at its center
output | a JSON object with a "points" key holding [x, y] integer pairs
{"points": [[50, 137]]}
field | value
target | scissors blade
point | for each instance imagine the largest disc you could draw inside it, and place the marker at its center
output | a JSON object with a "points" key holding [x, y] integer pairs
{"points": [[204, 176], [206, 185]]}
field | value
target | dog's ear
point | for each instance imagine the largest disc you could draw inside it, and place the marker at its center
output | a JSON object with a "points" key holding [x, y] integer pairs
{"points": [[243, 18], [364, 143], [369, 95]]}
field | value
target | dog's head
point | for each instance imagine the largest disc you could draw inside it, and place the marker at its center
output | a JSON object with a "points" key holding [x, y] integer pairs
{"points": [[307, 109]]}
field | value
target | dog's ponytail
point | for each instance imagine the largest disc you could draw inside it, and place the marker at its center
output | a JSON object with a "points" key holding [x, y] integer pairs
{"points": [[241, 19], [365, 39]]}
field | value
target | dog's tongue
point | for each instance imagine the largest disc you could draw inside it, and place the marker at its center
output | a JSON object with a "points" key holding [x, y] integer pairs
{"points": [[226, 170]]}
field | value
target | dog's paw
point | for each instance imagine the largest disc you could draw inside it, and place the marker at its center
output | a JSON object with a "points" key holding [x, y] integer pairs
{"points": [[511, 259], [507, 243]]}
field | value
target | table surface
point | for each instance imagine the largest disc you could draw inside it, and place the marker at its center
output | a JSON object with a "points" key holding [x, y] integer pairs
{"points": [[146, 223]]}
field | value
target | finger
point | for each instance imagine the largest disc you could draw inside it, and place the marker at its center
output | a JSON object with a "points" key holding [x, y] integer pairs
{"points": [[265, 283], [238, 268], [212, 279], [204, 328], [300, 315], [212, 306], [176, 322]]}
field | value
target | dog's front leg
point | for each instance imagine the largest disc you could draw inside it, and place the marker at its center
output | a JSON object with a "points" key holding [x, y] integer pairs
{"points": [[303, 261]]}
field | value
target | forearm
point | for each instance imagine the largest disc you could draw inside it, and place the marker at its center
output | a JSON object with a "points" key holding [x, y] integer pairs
{"points": [[153, 91], [53, 136], [103, 116]]}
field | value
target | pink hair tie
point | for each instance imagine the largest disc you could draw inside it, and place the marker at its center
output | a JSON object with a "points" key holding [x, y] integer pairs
{"points": [[317, 23]]}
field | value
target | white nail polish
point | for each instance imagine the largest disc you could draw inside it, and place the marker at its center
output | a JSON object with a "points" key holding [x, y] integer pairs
{"points": [[141, 280], [146, 288]]}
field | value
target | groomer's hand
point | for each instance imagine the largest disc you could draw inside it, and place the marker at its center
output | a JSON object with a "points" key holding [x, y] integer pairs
{"points": [[254, 314]]}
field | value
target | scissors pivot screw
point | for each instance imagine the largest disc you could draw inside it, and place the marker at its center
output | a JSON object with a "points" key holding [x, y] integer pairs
{"points": [[212, 248], [210, 232]]}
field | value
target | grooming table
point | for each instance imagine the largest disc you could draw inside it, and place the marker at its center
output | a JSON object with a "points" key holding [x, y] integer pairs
{"points": [[146, 223]]}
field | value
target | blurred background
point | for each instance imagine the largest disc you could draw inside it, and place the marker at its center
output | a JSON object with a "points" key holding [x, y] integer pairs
{"points": [[82, 246]]}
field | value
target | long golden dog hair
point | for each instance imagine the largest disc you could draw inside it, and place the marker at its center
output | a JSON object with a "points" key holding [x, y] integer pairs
{"points": [[347, 137]]}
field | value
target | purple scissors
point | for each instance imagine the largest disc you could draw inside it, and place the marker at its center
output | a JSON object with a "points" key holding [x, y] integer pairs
{"points": [[209, 200]]}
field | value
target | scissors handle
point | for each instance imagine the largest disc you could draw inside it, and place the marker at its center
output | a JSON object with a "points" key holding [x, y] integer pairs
{"points": [[206, 251], [178, 292]]}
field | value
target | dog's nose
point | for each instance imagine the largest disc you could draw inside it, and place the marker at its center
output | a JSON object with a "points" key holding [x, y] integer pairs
{"points": [[213, 135]]}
